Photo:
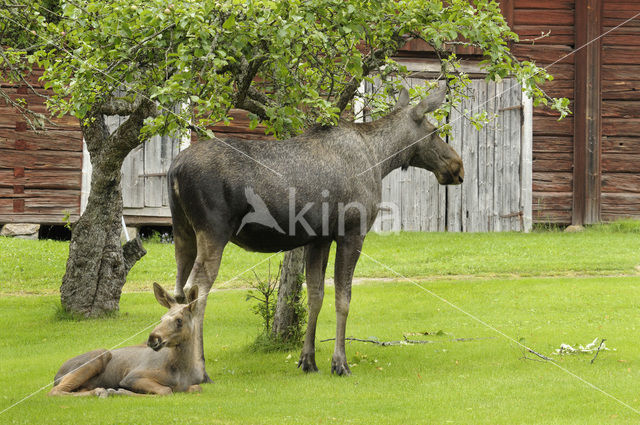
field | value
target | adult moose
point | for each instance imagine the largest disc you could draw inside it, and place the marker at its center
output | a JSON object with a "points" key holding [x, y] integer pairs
{"points": [[322, 186]]}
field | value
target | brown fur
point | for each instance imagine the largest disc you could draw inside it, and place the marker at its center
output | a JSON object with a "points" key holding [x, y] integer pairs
{"points": [[166, 364]]}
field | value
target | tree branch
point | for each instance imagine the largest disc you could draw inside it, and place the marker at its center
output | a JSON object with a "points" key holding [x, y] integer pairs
{"points": [[127, 136], [119, 106], [244, 78], [370, 63]]}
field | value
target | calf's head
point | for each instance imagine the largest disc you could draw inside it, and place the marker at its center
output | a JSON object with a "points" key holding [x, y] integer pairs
{"points": [[430, 151], [177, 325]]}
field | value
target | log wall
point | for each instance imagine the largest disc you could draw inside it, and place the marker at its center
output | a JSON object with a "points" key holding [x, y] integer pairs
{"points": [[552, 139], [620, 75], [40, 172]]}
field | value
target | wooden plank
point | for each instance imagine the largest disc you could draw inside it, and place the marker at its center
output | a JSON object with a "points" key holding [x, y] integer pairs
{"points": [[545, 4], [454, 193], [406, 194], [620, 109], [544, 54], [546, 16], [498, 160], [552, 182], [54, 218], [623, 55], [470, 161], [43, 179], [621, 163], [153, 165], [552, 143], [621, 72], [550, 126], [552, 161], [552, 201], [621, 204], [621, 90], [620, 183], [395, 224], [65, 140], [480, 211], [614, 144], [48, 160], [621, 39], [146, 220], [132, 180], [552, 217], [621, 126], [520, 180]]}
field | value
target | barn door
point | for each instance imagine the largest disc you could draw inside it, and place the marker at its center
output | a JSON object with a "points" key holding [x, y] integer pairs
{"points": [[144, 181], [496, 193], [144, 177]]}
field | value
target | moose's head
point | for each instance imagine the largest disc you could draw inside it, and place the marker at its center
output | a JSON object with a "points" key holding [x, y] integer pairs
{"points": [[177, 325], [429, 151]]}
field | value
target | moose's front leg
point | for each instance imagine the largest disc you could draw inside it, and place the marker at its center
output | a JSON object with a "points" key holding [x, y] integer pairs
{"points": [[347, 254]]}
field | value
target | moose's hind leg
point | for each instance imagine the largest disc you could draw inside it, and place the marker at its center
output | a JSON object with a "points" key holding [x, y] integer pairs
{"points": [[316, 264], [185, 252], [347, 254], [76, 372]]}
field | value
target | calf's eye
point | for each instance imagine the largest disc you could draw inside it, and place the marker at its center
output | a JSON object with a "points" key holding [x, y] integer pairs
{"points": [[179, 323]]}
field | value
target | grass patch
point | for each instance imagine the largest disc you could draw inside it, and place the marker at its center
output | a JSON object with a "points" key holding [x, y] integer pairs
{"points": [[38, 266], [485, 381]]}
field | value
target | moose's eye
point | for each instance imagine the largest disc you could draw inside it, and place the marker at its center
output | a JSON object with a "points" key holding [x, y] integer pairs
{"points": [[179, 322]]}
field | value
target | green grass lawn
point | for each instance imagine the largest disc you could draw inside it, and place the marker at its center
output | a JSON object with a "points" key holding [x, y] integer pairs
{"points": [[38, 266], [542, 289], [485, 381]]}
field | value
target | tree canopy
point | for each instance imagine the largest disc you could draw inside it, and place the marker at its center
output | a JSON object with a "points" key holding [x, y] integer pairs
{"points": [[289, 63]]}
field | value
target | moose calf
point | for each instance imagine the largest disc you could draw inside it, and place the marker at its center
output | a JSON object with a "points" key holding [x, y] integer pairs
{"points": [[166, 364]]}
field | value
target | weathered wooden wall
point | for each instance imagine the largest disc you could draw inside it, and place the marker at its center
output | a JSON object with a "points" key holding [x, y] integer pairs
{"points": [[620, 145], [40, 173], [496, 193], [552, 139]]}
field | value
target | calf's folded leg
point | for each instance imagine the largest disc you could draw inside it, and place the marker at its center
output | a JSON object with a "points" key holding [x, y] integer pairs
{"points": [[74, 373]]}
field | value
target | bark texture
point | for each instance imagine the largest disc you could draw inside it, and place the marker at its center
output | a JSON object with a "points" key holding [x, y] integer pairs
{"points": [[98, 264], [288, 317]]}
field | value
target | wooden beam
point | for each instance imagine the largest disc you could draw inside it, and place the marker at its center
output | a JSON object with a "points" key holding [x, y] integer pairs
{"points": [[587, 121]]}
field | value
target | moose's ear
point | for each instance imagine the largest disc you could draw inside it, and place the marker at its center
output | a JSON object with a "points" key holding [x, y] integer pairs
{"points": [[403, 99], [428, 104], [163, 296], [192, 298]]}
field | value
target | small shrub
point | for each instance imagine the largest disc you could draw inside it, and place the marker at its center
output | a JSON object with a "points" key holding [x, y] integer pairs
{"points": [[264, 292]]}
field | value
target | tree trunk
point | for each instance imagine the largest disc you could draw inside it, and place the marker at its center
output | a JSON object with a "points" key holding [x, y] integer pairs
{"points": [[289, 316], [98, 264]]}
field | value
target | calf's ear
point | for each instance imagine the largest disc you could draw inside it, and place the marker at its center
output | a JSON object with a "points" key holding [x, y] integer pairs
{"points": [[429, 103], [163, 296], [192, 298]]}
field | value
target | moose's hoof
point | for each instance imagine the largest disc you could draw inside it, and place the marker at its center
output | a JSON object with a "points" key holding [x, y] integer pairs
{"points": [[340, 367], [101, 392], [308, 362]]}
